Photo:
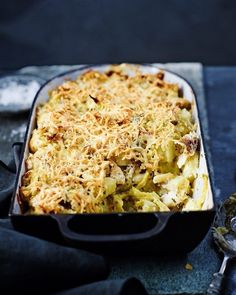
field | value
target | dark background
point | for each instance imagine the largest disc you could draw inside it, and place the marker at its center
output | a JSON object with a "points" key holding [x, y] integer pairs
{"points": [[43, 32]]}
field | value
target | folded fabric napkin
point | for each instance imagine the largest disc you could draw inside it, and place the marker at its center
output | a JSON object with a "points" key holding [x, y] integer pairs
{"points": [[32, 266]]}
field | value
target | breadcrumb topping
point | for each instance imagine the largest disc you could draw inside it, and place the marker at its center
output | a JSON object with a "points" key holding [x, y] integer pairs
{"points": [[112, 142]]}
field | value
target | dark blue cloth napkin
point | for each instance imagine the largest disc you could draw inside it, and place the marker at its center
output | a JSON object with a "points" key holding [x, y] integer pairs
{"points": [[29, 265]]}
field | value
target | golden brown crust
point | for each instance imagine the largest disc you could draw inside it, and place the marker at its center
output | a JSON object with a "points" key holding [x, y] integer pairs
{"points": [[111, 142]]}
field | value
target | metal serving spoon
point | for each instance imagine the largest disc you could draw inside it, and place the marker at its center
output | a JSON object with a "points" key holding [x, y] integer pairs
{"points": [[224, 233]]}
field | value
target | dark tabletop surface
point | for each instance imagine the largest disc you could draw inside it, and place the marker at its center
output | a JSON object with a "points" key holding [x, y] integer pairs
{"points": [[112, 31], [220, 90]]}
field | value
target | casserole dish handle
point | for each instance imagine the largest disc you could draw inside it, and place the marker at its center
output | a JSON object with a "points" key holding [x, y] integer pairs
{"points": [[71, 235]]}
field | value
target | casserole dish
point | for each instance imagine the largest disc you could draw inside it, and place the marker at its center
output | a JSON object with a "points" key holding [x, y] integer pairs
{"points": [[143, 232]]}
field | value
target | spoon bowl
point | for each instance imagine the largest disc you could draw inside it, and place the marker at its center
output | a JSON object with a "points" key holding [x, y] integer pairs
{"points": [[224, 234]]}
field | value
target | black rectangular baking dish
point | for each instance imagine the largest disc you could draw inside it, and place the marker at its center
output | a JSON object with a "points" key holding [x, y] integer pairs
{"points": [[120, 233]]}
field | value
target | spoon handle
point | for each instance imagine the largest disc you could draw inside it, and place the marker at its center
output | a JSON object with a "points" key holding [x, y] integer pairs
{"points": [[218, 277], [216, 284]]}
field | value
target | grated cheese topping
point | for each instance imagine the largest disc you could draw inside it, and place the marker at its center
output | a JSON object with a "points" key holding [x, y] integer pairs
{"points": [[113, 142]]}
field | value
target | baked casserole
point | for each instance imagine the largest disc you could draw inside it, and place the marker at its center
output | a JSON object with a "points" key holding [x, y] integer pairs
{"points": [[114, 142]]}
